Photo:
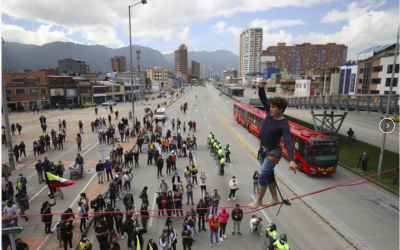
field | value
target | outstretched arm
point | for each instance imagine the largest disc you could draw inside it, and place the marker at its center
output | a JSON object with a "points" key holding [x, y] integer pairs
{"points": [[263, 96]]}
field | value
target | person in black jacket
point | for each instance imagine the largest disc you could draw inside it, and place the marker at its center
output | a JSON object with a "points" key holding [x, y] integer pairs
{"points": [[143, 195], [152, 244], [67, 232], [169, 206], [100, 172], [160, 165], [119, 222], [47, 217], [22, 149], [159, 202], [139, 231], [201, 212], [175, 180], [187, 239], [109, 216], [16, 152], [237, 216]]}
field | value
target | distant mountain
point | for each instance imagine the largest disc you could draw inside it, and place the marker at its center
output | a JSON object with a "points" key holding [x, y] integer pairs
{"points": [[219, 60], [24, 56]]}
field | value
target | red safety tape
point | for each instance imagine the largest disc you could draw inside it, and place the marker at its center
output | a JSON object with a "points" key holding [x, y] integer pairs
{"points": [[345, 184]]}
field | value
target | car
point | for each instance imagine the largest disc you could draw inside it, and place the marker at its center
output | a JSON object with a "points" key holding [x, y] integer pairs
{"points": [[161, 114], [109, 103], [89, 104], [74, 106], [393, 118]]}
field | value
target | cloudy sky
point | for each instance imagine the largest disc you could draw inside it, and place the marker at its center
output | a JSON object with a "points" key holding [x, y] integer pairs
{"points": [[201, 24]]}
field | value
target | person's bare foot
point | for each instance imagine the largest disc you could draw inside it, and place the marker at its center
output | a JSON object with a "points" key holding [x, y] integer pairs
{"points": [[255, 205], [271, 203]]}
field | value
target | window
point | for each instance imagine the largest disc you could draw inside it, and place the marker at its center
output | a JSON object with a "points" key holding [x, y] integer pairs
{"points": [[20, 91], [374, 92], [18, 80], [8, 91], [303, 149], [376, 81], [116, 89], [43, 91], [387, 92], [33, 91], [361, 71], [377, 69], [390, 68], [395, 80], [32, 80], [360, 81]]}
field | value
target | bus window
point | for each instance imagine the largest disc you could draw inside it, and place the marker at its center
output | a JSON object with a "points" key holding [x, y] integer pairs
{"points": [[303, 149], [325, 154]]}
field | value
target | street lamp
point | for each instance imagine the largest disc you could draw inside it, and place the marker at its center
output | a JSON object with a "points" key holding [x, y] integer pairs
{"points": [[131, 71]]}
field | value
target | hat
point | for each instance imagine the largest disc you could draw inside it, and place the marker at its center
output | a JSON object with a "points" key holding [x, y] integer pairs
{"points": [[237, 205], [173, 151], [21, 174]]}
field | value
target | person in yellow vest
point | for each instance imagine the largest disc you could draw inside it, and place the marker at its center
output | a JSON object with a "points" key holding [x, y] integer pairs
{"points": [[85, 243], [211, 144], [282, 244], [215, 147], [271, 236], [228, 153], [220, 152], [222, 165]]}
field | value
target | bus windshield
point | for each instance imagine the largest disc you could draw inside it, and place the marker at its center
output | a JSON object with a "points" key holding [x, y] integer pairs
{"points": [[325, 154]]}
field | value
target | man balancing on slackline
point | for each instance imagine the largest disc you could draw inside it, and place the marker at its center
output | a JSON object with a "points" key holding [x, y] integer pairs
{"points": [[272, 129]]}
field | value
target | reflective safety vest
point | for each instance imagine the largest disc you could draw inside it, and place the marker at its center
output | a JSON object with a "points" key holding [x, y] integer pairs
{"points": [[222, 161], [19, 187], [215, 145], [227, 150], [272, 234], [220, 151], [210, 136], [212, 141], [279, 245]]}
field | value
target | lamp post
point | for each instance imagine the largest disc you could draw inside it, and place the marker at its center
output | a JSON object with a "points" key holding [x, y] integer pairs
{"points": [[131, 70]]}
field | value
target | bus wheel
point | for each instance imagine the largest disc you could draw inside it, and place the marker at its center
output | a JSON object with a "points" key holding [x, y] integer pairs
{"points": [[299, 165]]}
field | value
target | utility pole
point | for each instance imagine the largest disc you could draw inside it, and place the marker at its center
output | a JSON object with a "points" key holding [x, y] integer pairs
{"points": [[396, 51], [7, 123], [131, 70]]}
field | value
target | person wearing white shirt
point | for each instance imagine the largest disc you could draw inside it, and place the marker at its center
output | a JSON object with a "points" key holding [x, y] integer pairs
{"points": [[256, 224], [11, 210], [127, 181], [233, 185], [203, 184]]}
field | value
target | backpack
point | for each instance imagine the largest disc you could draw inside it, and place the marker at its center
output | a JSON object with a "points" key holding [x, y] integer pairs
{"points": [[173, 158], [92, 203], [164, 204]]}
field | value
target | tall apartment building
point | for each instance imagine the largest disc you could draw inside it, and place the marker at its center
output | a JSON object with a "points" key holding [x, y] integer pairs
{"points": [[181, 61], [207, 71], [118, 63], [250, 51], [299, 58], [70, 65], [157, 74], [195, 68]]}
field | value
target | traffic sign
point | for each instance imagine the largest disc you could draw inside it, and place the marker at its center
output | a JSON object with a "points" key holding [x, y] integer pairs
{"points": [[11, 230]]}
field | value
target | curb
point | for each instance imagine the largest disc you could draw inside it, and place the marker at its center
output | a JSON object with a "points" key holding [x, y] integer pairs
{"points": [[377, 184]]}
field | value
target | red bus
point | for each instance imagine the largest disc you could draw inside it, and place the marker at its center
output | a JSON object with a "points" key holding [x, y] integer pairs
{"points": [[315, 153], [240, 111]]}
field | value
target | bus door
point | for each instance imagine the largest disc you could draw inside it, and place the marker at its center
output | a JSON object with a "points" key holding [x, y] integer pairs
{"points": [[303, 148]]}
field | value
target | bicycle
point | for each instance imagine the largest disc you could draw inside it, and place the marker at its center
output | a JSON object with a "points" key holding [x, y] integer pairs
{"points": [[57, 192]]}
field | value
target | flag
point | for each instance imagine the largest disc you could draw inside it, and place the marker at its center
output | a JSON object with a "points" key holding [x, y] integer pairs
{"points": [[138, 243], [56, 181], [150, 248]]}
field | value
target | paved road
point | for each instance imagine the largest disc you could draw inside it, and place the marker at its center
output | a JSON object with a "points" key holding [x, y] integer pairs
{"points": [[365, 126], [357, 212]]}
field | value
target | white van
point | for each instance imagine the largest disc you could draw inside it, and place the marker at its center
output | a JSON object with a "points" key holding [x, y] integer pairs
{"points": [[161, 114]]}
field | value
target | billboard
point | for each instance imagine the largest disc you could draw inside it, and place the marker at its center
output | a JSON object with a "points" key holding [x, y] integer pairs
{"points": [[268, 59], [267, 72], [352, 82], [56, 92]]}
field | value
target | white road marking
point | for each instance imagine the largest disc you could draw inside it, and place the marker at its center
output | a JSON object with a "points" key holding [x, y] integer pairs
{"points": [[209, 110], [205, 118], [208, 127], [85, 147], [152, 208], [262, 211], [231, 165]]}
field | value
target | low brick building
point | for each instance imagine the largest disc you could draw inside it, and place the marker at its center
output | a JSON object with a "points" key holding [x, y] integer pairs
{"points": [[27, 90]]}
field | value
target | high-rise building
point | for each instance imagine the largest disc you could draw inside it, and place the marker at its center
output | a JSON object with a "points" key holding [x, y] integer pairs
{"points": [[250, 51], [70, 65], [299, 58], [157, 74], [207, 71], [195, 68], [118, 63], [181, 61]]}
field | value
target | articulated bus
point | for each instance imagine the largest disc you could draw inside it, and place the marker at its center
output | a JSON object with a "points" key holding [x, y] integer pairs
{"points": [[240, 111], [315, 153]]}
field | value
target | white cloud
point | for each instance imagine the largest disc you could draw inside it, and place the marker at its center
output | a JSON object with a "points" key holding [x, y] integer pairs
{"points": [[275, 24], [38, 37], [220, 28], [365, 27], [96, 19]]}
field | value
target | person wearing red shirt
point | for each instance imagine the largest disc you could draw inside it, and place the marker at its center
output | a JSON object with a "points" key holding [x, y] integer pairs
{"points": [[214, 225]]}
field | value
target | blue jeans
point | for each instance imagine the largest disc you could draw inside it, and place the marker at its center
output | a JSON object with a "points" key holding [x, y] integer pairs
{"points": [[267, 167], [216, 236], [189, 195], [214, 209], [126, 185], [40, 176], [255, 186]]}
